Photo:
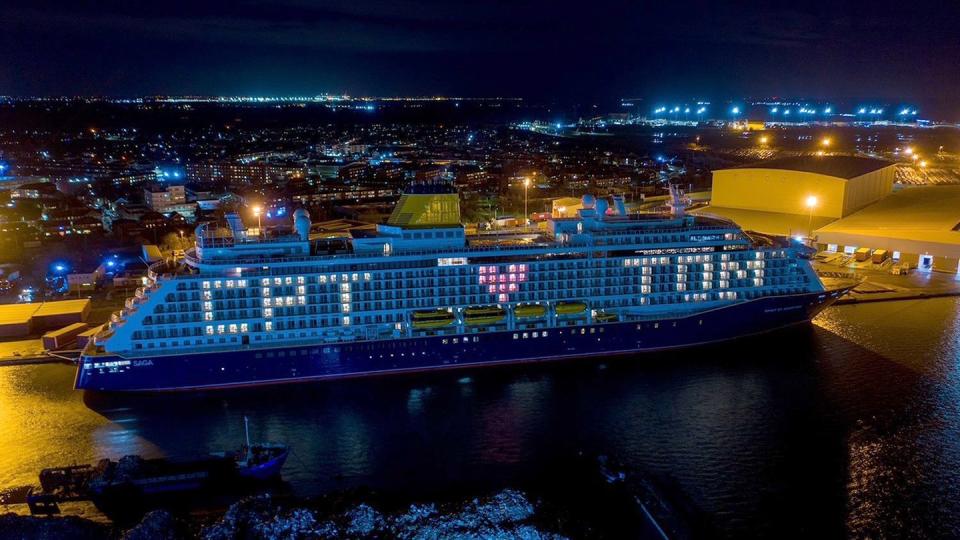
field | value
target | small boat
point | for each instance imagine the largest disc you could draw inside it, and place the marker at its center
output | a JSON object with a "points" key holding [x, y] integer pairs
{"points": [[570, 308], [529, 311], [260, 461], [483, 315], [606, 317]]}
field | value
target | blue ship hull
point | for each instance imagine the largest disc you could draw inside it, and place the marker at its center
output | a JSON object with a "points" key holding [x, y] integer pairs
{"points": [[305, 362]]}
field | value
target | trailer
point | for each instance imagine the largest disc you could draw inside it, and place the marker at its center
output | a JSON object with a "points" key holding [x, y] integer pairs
{"points": [[879, 256], [57, 339], [861, 254]]}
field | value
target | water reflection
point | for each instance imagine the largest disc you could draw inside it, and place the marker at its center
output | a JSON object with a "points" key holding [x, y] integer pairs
{"points": [[851, 423]]}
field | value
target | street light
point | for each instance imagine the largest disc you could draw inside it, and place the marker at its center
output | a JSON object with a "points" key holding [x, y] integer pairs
{"points": [[256, 211], [825, 142], [526, 185], [811, 204], [764, 139]]}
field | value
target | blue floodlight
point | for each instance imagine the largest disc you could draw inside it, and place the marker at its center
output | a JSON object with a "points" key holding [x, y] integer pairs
{"points": [[735, 110], [828, 110]]}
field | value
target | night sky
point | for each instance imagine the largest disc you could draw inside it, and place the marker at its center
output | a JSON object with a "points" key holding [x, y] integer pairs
{"points": [[899, 51]]}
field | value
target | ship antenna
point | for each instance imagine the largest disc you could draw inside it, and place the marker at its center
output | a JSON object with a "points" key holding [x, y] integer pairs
{"points": [[246, 430]]}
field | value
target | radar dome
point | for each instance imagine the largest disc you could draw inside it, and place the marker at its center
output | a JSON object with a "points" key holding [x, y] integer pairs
{"points": [[301, 223], [588, 201]]}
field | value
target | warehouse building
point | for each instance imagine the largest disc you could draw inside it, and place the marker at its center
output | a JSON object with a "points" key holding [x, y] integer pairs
{"points": [[918, 225], [18, 320], [795, 195]]}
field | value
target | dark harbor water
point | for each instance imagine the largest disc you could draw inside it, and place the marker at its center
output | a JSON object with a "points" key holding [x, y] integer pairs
{"points": [[849, 427]]}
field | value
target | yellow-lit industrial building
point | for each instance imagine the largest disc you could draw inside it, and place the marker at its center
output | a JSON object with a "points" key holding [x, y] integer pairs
{"points": [[794, 195], [919, 225], [841, 184]]}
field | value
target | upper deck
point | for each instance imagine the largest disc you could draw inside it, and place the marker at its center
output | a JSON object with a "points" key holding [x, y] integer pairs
{"points": [[422, 226]]}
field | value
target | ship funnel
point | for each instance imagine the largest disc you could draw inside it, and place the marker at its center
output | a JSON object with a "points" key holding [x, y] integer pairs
{"points": [[619, 205], [601, 206], [236, 226], [301, 223]]}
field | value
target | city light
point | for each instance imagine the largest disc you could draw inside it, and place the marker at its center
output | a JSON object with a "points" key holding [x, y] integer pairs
{"points": [[923, 164], [763, 139], [735, 110], [811, 201], [825, 141], [908, 150]]}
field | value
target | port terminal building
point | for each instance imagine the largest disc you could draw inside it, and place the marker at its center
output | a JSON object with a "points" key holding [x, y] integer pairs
{"points": [[844, 204], [919, 225]]}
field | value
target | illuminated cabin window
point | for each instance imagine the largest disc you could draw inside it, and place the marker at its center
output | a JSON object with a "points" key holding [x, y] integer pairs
{"points": [[268, 326]]}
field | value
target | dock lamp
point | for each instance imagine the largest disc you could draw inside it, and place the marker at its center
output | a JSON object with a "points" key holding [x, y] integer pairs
{"points": [[257, 211], [526, 186], [811, 203]]}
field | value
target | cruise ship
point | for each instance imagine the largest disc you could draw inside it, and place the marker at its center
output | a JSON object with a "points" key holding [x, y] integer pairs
{"points": [[253, 307]]}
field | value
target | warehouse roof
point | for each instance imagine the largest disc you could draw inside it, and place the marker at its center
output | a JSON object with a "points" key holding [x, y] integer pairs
{"points": [[846, 167], [924, 213], [22, 313]]}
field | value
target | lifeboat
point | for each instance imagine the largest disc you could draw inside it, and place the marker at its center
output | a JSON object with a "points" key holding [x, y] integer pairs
{"points": [[606, 317], [432, 319], [527, 311], [570, 308], [483, 315]]}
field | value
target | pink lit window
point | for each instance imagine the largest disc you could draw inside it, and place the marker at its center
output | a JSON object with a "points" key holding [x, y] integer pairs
{"points": [[483, 269], [513, 268], [521, 277], [492, 289], [513, 287], [523, 268], [503, 298], [503, 287], [483, 279], [513, 277]]}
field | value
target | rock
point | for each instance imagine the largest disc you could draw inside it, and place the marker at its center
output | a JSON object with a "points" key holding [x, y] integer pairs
{"points": [[296, 524], [157, 525], [52, 528], [363, 520], [241, 519]]}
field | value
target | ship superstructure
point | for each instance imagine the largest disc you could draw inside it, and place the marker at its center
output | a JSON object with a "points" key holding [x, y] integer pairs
{"points": [[393, 299]]}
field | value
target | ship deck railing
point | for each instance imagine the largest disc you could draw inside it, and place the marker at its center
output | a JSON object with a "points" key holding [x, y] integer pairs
{"points": [[493, 249]]}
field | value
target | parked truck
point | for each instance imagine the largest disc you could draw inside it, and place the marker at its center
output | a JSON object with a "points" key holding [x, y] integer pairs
{"points": [[879, 256], [861, 254]]}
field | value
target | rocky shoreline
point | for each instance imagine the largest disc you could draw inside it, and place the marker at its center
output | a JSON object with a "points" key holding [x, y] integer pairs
{"points": [[508, 514]]}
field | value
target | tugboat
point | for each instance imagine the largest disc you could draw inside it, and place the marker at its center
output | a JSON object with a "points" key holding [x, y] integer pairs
{"points": [[133, 482]]}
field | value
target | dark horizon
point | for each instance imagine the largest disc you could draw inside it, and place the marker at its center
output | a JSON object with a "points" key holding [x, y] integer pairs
{"points": [[535, 51]]}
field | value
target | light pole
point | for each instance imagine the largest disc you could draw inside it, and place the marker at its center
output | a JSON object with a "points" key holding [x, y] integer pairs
{"points": [[526, 185], [256, 212], [811, 204]]}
